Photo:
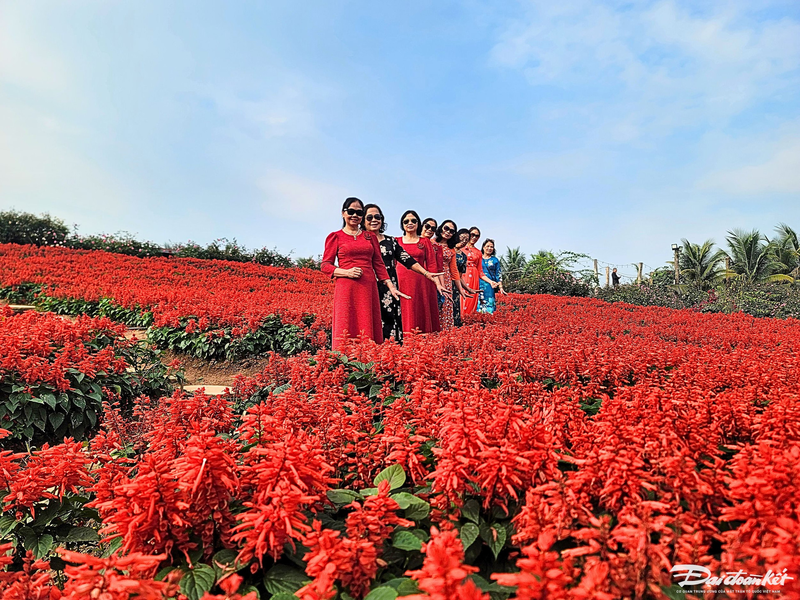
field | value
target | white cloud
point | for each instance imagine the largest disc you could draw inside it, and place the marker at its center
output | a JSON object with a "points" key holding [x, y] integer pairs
{"points": [[294, 198], [652, 69], [778, 174]]}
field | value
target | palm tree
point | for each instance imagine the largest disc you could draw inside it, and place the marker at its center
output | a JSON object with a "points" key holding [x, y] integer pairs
{"points": [[753, 258], [786, 250], [513, 264], [700, 264]]}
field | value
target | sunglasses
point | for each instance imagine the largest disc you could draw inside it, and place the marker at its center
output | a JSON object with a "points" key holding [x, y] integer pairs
{"points": [[355, 212], [410, 222], [371, 218], [474, 235], [448, 230], [430, 227]]}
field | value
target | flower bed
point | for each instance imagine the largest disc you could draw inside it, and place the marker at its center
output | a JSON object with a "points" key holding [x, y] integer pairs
{"points": [[210, 309], [566, 448]]}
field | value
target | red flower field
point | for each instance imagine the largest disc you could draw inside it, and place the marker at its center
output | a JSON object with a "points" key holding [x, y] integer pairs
{"points": [[561, 448]]}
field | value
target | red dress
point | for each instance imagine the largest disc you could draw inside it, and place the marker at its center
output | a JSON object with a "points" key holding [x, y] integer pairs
{"points": [[356, 306], [469, 306], [422, 311]]}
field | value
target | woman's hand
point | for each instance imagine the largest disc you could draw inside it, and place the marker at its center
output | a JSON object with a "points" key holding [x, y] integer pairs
{"points": [[443, 289], [503, 292], [494, 284], [396, 294], [433, 276], [354, 273]]}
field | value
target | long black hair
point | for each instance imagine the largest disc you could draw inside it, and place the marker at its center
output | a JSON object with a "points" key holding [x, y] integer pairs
{"points": [[364, 220], [347, 204], [416, 216], [451, 243]]}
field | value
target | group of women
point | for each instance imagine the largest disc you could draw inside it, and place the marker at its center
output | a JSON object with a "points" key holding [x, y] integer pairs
{"points": [[424, 280]]}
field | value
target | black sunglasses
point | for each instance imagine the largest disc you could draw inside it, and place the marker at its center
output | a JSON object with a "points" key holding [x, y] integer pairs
{"points": [[430, 227], [448, 229], [355, 212], [374, 218], [410, 222], [474, 235]]}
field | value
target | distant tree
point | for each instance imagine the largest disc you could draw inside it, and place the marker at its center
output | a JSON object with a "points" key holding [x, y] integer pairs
{"points": [[786, 250], [753, 257], [701, 265], [513, 264]]}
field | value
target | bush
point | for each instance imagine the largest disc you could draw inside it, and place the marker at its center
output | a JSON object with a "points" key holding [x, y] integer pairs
{"points": [[70, 369], [120, 243], [25, 228], [777, 300], [555, 283], [654, 295]]}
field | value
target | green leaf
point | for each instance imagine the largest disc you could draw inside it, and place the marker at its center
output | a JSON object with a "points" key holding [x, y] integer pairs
{"points": [[197, 581], [394, 474], [283, 578], [381, 593], [418, 510], [43, 545], [82, 534], [162, 574], [50, 400], [343, 496], [7, 523], [495, 537], [366, 492], [407, 587], [471, 510], [283, 596], [469, 533], [405, 540], [404, 499], [56, 419]]}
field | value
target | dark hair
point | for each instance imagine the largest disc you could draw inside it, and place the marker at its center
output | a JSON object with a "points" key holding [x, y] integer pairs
{"points": [[461, 232], [347, 204], [364, 220], [471, 228], [419, 221], [435, 222], [451, 243], [489, 241]]}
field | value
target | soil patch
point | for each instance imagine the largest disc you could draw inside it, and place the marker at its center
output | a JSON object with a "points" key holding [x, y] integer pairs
{"points": [[203, 372]]}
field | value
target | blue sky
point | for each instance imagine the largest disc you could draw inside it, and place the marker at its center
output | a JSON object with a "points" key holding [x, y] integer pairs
{"points": [[607, 128]]}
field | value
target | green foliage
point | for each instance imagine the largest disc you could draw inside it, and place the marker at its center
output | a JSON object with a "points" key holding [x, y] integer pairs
{"points": [[220, 344], [66, 523], [647, 294], [39, 413], [700, 265], [25, 228], [753, 257], [122, 242], [556, 283]]}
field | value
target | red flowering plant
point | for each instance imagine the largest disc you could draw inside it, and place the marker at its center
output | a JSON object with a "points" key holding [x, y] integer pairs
{"points": [[55, 374], [568, 447]]}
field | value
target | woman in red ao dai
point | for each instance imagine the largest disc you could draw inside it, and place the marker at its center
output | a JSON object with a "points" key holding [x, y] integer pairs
{"points": [[421, 311], [356, 305]]}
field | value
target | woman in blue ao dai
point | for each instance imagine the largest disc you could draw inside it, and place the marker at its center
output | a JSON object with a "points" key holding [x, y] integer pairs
{"points": [[491, 268]]}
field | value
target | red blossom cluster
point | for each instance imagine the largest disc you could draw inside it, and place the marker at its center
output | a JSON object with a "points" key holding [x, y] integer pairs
{"points": [[39, 348], [213, 293], [594, 446]]}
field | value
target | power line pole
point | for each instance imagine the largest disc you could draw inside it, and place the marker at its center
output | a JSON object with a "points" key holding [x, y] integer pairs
{"points": [[676, 249], [639, 275], [608, 276]]}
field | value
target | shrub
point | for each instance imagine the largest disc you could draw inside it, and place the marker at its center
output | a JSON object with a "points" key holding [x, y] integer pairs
{"points": [[654, 295], [555, 283], [25, 228], [120, 243]]}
